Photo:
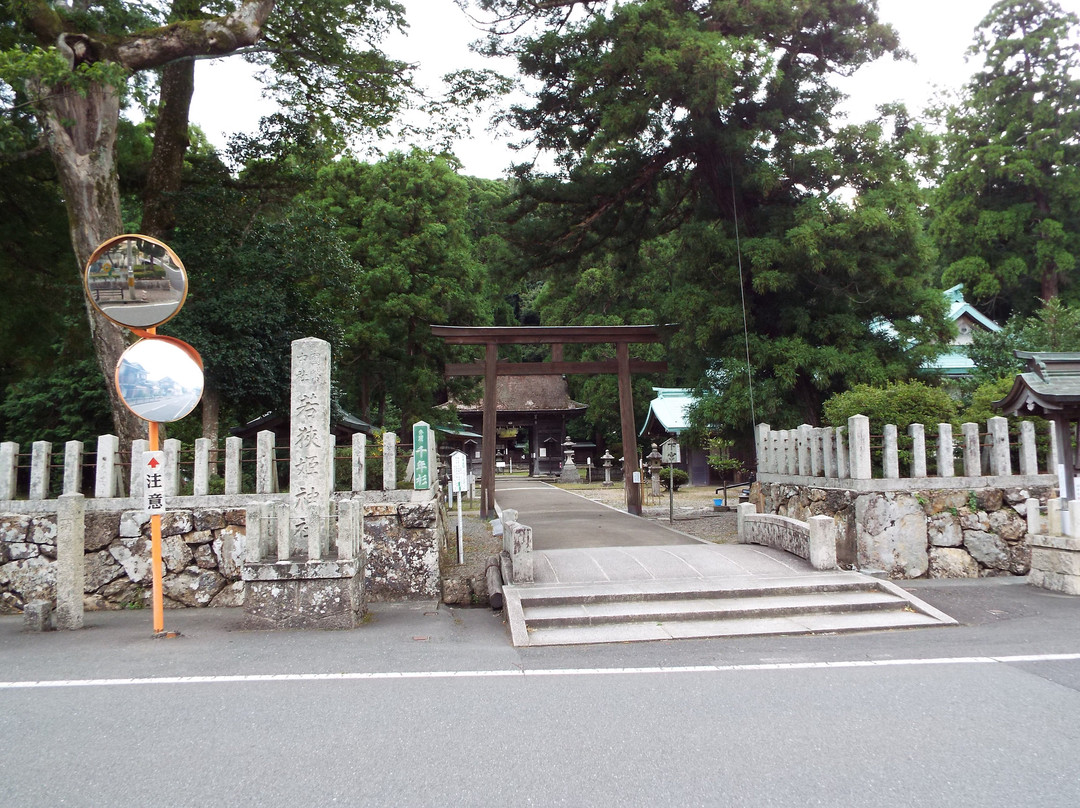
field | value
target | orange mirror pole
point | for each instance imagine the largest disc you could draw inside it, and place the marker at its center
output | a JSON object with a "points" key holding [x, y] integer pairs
{"points": [[155, 539]]}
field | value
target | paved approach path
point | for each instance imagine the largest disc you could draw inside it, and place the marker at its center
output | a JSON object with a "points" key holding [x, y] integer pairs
{"points": [[579, 541]]}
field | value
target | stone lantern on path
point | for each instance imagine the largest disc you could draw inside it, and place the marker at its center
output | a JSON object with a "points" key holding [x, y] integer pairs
{"points": [[569, 470], [607, 458]]}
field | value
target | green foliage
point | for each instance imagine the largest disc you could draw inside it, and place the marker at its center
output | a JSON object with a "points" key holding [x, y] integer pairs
{"points": [[667, 474], [720, 457], [698, 169], [902, 403], [66, 403], [1007, 218], [405, 225], [1054, 327]]}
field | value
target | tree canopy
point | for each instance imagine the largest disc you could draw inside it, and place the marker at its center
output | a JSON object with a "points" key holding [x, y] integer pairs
{"points": [[1008, 218]]}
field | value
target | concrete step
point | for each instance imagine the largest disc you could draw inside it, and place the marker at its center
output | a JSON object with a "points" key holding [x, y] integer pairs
{"points": [[743, 606]]}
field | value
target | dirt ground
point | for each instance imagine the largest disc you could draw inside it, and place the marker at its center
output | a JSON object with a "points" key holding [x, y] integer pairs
{"points": [[465, 584]]}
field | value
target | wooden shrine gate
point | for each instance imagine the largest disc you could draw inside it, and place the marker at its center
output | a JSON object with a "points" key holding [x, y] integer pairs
{"points": [[555, 336]]}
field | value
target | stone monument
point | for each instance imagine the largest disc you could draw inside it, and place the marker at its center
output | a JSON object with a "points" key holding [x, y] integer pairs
{"points": [[314, 579]]}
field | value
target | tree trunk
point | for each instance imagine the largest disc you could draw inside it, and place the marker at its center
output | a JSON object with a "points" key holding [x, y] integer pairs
{"points": [[211, 411], [170, 144], [81, 136]]}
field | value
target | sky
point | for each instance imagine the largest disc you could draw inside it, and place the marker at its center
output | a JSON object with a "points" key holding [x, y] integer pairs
{"points": [[936, 32]]}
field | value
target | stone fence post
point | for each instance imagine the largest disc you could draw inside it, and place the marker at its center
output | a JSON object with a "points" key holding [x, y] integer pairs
{"points": [[822, 543], [107, 477], [73, 457], [9, 464], [40, 468], [389, 461], [70, 574], [859, 435], [359, 462]]}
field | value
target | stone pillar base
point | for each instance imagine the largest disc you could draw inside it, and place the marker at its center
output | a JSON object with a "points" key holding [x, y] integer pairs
{"points": [[569, 474], [1055, 564], [303, 594]]}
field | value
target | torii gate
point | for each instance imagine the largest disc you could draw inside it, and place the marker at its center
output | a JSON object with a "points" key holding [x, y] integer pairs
{"points": [[555, 336]]}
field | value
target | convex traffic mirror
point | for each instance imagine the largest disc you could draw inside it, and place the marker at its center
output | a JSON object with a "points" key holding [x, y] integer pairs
{"points": [[136, 281], [160, 379]]}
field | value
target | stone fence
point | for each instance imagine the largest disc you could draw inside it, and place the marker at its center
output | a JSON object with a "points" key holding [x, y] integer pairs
{"points": [[946, 524], [814, 540], [1055, 550], [116, 473]]}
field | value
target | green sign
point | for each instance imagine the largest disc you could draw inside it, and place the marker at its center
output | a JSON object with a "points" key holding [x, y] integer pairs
{"points": [[423, 454]]}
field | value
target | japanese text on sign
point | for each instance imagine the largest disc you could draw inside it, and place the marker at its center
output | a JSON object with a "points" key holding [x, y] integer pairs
{"points": [[154, 482]]}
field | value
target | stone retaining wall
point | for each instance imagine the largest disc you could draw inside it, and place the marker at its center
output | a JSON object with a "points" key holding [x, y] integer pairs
{"points": [[978, 532], [202, 554]]}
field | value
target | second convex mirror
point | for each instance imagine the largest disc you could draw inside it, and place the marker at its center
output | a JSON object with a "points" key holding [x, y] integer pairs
{"points": [[160, 379], [136, 281]]}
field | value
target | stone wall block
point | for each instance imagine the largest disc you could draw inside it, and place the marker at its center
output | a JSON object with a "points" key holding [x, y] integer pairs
{"points": [[204, 557], [952, 562], [100, 568], [989, 499], [101, 529], [133, 554], [173, 523], [29, 579], [943, 530], [132, 524], [198, 537], [14, 528], [892, 535], [986, 548], [193, 586], [43, 530], [210, 518], [230, 596], [229, 547], [418, 514], [175, 553], [1009, 525], [1020, 558]]}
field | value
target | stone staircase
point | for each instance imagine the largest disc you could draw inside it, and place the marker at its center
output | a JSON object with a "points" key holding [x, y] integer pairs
{"points": [[610, 611]]}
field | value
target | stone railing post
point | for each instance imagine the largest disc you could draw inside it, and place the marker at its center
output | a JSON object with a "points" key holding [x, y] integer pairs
{"points": [[171, 477], [777, 462], [918, 450], [828, 452], [73, 457], [1000, 457], [9, 465], [106, 479], [1053, 516], [70, 575], [822, 543], [945, 466], [859, 434], [745, 509], [389, 461], [1031, 513], [233, 447], [257, 530], [761, 447], [284, 531], [40, 467], [843, 467], [972, 452], [802, 442], [359, 462], [891, 452], [815, 452], [265, 463], [202, 467], [1029, 458], [137, 480]]}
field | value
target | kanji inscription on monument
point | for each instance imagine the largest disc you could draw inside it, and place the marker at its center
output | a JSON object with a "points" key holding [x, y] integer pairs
{"points": [[310, 476]]}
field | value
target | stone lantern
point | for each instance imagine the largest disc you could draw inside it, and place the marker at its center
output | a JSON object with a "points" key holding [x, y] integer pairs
{"points": [[569, 470], [607, 458], [654, 457]]}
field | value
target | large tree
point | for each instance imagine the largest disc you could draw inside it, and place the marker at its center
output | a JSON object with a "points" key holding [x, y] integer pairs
{"points": [[1008, 206], [74, 62], [696, 145]]}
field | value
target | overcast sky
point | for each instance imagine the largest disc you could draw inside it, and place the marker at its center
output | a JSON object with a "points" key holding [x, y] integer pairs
{"points": [[937, 32]]}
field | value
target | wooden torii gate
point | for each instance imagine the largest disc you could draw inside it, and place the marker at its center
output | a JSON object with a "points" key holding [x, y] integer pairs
{"points": [[555, 336]]}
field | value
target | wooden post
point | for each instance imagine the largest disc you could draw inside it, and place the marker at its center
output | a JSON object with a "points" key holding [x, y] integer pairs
{"points": [[629, 434], [487, 463]]}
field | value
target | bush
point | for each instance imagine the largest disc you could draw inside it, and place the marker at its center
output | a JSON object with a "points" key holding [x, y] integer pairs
{"points": [[667, 474], [900, 403]]}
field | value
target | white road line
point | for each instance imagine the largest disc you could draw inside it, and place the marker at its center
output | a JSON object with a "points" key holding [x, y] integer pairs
{"points": [[392, 675]]}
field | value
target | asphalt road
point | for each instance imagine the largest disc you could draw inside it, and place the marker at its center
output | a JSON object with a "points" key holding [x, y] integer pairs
{"points": [[431, 706]]}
